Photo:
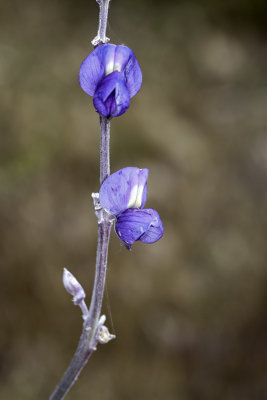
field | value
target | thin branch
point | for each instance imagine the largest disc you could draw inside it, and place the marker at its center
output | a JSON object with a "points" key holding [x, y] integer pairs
{"points": [[101, 37], [104, 149]]}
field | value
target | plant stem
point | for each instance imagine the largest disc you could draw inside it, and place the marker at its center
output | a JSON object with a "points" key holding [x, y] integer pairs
{"points": [[101, 37], [89, 337], [104, 149], [89, 340]]}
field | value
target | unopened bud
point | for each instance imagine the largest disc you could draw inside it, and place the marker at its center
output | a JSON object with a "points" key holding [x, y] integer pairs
{"points": [[73, 287], [104, 336], [101, 320]]}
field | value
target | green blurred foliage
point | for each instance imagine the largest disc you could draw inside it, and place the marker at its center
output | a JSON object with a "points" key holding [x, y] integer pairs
{"points": [[190, 311]]}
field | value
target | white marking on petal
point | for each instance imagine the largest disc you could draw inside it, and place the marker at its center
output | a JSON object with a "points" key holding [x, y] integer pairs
{"points": [[110, 67], [117, 67], [133, 196], [139, 195]]}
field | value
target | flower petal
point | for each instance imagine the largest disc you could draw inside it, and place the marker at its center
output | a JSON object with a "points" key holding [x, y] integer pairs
{"points": [[155, 231], [138, 193], [106, 59], [93, 68], [126, 62], [124, 189], [134, 224], [133, 75], [111, 97], [122, 56]]}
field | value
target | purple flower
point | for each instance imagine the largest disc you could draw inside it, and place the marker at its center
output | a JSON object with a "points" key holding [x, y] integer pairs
{"points": [[112, 76], [124, 194], [124, 189]]}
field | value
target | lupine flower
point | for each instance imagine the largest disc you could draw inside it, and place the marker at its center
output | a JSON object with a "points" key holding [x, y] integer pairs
{"points": [[112, 76], [124, 195]]}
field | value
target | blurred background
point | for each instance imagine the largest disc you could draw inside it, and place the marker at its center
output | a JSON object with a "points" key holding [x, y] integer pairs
{"points": [[189, 312]]}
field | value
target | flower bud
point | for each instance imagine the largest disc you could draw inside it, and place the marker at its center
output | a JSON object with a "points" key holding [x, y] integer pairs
{"points": [[104, 336], [73, 287]]}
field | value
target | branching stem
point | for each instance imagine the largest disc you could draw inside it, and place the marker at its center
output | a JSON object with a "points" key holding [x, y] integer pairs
{"points": [[89, 337]]}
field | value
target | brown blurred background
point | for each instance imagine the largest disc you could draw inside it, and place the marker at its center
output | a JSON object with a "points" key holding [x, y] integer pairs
{"points": [[190, 311]]}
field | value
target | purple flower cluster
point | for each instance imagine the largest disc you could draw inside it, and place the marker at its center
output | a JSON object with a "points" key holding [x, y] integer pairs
{"points": [[123, 194], [112, 75]]}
